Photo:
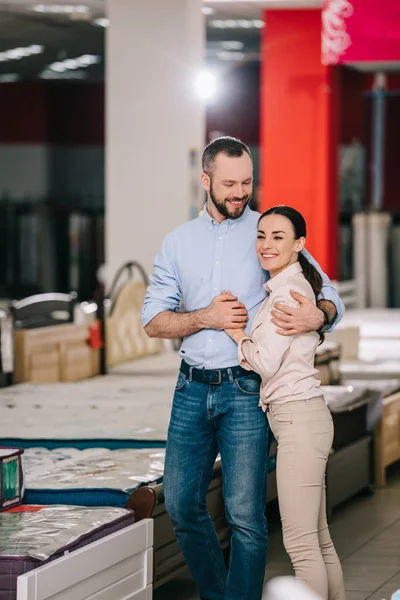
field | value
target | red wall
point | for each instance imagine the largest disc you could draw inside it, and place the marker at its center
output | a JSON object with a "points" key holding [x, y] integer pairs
{"points": [[299, 126]]}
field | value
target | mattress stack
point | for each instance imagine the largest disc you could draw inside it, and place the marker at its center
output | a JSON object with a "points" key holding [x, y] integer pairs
{"points": [[33, 536]]}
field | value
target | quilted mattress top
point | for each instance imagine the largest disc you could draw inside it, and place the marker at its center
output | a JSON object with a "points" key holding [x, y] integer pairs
{"points": [[70, 468], [115, 407]]}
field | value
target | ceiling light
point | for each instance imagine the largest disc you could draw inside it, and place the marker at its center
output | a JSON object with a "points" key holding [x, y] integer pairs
{"points": [[48, 74], [205, 85], [18, 53], [237, 24], [9, 77], [74, 63], [207, 10], [232, 45], [60, 9], [235, 56], [102, 22]]}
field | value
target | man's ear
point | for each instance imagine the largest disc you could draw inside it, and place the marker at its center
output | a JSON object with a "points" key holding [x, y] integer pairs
{"points": [[205, 181]]}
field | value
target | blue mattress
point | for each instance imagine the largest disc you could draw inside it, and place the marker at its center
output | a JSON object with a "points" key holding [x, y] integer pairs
{"points": [[52, 444], [90, 477]]}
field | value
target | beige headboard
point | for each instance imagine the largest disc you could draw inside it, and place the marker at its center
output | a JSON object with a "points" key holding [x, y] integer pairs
{"points": [[125, 336]]}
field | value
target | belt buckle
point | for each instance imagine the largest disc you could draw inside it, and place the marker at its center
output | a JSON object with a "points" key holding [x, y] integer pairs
{"points": [[219, 378]]}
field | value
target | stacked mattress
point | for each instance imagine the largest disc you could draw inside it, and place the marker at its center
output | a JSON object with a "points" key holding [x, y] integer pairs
{"points": [[33, 536], [91, 477]]}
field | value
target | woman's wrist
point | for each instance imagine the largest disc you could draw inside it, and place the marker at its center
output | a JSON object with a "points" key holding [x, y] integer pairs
{"points": [[237, 335]]}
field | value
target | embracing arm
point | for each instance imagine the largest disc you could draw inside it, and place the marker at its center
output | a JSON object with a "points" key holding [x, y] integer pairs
{"points": [[265, 355], [330, 300], [160, 316]]}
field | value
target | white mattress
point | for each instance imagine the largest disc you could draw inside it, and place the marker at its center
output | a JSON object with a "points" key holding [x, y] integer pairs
{"points": [[360, 369], [112, 407], [373, 322], [158, 365], [70, 468]]}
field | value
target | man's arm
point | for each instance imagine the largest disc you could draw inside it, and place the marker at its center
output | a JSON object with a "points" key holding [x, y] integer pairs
{"points": [[223, 311], [330, 299], [160, 316], [309, 317]]}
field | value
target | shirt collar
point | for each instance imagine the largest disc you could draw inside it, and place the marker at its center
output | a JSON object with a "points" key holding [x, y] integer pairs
{"points": [[280, 279], [210, 222]]}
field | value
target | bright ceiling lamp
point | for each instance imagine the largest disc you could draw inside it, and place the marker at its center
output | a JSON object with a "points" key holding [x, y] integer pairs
{"points": [[101, 22], [18, 53], [207, 10], [237, 23], [206, 85], [61, 9], [75, 63]]}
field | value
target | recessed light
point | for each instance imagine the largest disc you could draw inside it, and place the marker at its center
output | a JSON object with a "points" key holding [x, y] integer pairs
{"points": [[74, 63], [18, 53], [207, 10], [234, 56], [60, 9], [232, 45], [9, 77], [237, 23], [102, 22]]}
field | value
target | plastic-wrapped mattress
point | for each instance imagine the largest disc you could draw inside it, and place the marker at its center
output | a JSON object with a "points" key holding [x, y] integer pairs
{"points": [[92, 477], [33, 536]]}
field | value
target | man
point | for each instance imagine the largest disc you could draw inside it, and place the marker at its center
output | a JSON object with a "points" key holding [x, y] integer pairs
{"points": [[215, 407]]}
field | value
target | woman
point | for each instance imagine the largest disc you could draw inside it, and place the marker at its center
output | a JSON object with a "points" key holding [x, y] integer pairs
{"points": [[293, 402]]}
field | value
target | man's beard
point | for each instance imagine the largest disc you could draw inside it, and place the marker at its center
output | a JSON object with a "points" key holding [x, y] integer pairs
{"points": [[223, 209]]}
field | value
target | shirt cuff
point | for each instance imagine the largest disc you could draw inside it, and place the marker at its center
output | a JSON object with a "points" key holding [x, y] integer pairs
{"points": [[241, 357], [331, 296]]}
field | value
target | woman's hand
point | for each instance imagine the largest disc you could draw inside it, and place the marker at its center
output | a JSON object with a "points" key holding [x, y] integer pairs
{"points": [[235, 334]]}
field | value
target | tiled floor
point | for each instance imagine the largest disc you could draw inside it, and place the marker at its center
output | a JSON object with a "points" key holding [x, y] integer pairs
{"points": [[366, 533]]}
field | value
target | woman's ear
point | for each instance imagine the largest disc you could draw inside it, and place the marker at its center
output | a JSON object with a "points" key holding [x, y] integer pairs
{"points": [[205, 181], [300, 243]]}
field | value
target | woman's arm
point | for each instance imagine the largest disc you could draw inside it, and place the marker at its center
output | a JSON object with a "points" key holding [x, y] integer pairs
{"points": [[265, 355]]}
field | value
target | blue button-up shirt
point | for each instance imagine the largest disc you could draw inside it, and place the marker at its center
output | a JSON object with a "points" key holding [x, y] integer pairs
{"points": [[196, 262]]}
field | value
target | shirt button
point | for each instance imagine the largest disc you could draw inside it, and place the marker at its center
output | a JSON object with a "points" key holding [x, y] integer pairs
{"points": [[220, 238], [209, 339], [217, 262]]}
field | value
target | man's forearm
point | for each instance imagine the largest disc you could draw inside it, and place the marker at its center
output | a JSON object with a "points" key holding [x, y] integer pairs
{"points": [[170, 325], [330, 309]]}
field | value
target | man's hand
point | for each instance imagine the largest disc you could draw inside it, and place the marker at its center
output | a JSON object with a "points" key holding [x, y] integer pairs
{"points": [[225, 312], [292, 321]]}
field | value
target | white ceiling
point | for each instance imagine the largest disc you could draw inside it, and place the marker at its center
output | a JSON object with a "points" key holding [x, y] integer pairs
{"points": [[64, 37]]}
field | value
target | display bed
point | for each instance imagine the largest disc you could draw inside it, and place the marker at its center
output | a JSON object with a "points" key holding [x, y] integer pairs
{"points": [[63, 552], [114, 412], [387, 427]]}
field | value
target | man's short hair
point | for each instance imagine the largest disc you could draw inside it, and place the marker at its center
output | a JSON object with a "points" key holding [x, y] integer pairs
{"points": [[227, 145]]}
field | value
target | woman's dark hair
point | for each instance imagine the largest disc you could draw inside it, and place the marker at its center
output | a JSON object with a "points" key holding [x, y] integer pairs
{"points": [[300, 230]]}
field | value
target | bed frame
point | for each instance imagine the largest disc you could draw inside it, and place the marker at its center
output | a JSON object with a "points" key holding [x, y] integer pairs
{"points": [[117, 567], [387, 438]]}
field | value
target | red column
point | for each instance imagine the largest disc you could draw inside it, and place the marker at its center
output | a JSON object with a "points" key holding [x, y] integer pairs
{"points": [[299, 127]]}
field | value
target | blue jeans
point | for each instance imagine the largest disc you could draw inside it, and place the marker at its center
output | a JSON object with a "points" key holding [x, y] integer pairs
{"points": [[207, 419]]}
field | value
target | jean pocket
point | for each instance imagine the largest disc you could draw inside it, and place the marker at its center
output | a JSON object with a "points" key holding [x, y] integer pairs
{"points": [[181, 381], [248, 385]]}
